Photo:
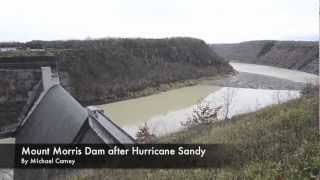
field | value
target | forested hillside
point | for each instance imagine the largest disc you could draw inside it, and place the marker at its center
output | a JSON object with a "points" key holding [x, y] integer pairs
{"points": [[106, 70], [101, 71]]}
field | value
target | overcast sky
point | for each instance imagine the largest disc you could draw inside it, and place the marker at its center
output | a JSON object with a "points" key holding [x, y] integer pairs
{"points": [[215, 21]]}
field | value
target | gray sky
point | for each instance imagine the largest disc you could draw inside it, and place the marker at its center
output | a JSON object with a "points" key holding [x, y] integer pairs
{"points": [[215, 21]]}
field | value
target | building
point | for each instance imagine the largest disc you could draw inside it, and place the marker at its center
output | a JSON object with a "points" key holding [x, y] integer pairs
{"points": [[6, 49], [53, 116]]}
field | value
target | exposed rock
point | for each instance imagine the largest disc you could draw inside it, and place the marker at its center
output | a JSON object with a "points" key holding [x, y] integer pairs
{"points": [[256, 81], [298, 55]]}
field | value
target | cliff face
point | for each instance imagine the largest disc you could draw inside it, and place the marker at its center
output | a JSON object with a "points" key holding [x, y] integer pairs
{"points": [[303, 56], [16, 85], [101, 71], [19, 76]]}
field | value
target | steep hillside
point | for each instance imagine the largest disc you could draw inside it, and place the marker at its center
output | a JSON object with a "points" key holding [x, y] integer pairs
{"points": [[303, 56], [113, 69], [101, 71]]}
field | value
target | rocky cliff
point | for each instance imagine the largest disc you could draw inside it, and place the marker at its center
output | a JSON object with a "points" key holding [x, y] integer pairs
{"points": [[303, 56], [19, 77]]}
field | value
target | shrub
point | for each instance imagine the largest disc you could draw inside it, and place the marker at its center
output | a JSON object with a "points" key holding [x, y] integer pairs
{"points": [[144, 135], [202, 114], [311, 89]]}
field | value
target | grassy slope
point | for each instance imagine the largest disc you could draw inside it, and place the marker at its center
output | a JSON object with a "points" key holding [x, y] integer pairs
{"points": [[278, 142], [281, 140]]}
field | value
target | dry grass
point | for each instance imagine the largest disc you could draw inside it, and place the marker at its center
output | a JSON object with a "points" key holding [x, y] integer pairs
{"points": [[278, 142]]}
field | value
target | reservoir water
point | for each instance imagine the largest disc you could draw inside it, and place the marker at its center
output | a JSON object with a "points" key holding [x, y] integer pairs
{"points": [[165, 111]]}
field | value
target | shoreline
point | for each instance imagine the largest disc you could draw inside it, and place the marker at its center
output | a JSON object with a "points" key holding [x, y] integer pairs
{"points": [[148, 91]]}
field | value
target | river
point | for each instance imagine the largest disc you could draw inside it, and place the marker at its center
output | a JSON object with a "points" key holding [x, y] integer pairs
{"points": [[292, 75], [164, 112]]}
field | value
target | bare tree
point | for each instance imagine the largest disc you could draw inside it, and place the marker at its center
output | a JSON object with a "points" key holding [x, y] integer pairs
{"points": [[311, 89], [202, 113], [144, 134], [227, 101], [277, 97]]}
